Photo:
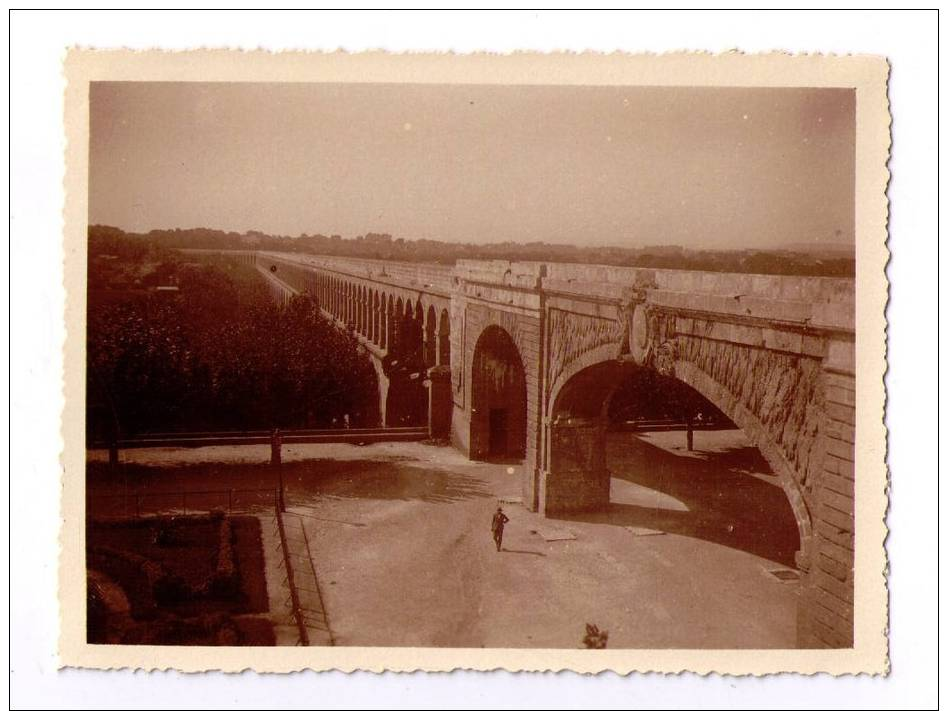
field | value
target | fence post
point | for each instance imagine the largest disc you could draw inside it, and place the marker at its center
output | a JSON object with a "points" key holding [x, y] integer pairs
{"points": [[184, 502], [291, 582], [138, 506], [230, 501], [276, 460], [282, 498]]}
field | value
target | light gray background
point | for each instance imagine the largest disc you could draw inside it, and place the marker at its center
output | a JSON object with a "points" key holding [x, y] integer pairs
{"points": [[37, 47]]}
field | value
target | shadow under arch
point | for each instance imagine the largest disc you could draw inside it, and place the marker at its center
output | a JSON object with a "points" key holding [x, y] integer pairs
{"points": [[498, 398], [577, 479], [753, 429]]}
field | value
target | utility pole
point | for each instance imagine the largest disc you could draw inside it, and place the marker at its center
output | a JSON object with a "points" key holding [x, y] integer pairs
{"points": [[276, 460]]}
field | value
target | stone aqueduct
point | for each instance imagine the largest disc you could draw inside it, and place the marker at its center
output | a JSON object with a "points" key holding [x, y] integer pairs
{"points": [[535, 350]]}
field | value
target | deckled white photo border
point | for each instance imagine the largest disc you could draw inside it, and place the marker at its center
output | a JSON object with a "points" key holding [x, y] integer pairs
{"points": [[868, 75]]}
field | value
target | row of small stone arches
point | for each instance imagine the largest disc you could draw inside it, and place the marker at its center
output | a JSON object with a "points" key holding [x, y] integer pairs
{"points": [[386, 319]]}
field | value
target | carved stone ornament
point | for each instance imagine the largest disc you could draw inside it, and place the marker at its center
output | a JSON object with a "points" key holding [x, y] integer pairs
{"points": [[665, 356], [638, 334]]}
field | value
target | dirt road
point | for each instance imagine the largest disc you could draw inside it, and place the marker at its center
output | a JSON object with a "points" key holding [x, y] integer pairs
{"points": [[403, 549]]}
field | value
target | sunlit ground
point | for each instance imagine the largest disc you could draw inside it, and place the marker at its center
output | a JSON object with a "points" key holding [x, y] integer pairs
{"points": [[401, 537]]}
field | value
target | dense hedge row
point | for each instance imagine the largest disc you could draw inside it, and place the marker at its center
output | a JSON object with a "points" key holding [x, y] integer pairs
{"points": [[217, 353]]}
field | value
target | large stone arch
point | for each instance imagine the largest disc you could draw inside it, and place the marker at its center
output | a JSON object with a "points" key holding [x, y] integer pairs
{"points": [[600, 354], [573, 460], [498, 397]]}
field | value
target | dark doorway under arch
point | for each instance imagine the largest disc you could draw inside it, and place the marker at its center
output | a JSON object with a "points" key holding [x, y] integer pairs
{"points": [[498, 398]]}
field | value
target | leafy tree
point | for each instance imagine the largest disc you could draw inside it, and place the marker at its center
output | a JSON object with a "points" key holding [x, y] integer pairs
{"points": [[218, 353]]}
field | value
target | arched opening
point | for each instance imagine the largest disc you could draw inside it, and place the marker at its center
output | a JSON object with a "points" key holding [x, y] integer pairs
{"points": [[353, 304], [498, 398], [367, 313], [354, 318], [376, 317], [418, 334], [396, 346], [444, 339], [350, 306], [311, 286], [431, 343], [357, 309], [412, 340], [630, 446], [390, 325]]}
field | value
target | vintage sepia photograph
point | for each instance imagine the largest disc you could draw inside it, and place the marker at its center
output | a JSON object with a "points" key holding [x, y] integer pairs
{"points": [[474, 364]]}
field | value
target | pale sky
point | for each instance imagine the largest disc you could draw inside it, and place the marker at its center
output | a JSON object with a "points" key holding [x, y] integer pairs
{"points": [[629, 166]]}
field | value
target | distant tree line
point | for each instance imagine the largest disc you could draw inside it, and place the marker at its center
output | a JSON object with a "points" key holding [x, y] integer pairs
{"points": [[177, 345], [831, 262]]}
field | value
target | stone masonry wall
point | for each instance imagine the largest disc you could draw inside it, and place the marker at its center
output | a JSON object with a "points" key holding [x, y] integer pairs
{"points": [[578, 479], [827, 612], [794, 396]]}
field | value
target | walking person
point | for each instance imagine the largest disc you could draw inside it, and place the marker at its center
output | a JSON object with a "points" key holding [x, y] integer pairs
{"points": [[497, 527]]}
